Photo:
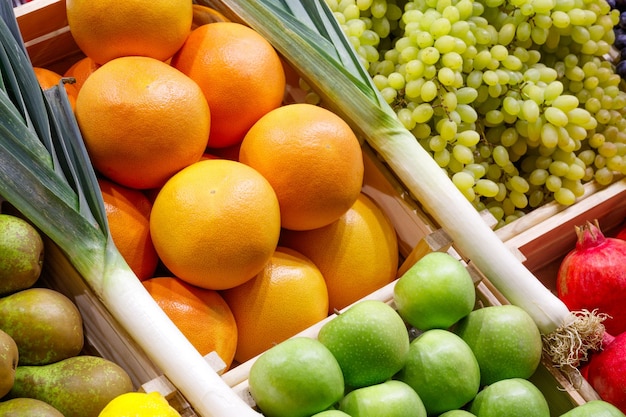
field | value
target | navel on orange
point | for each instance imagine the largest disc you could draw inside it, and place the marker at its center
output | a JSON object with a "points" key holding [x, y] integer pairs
{"points": [[109, 29], [142, 121], [128, 214], [313, 160], [286, 297], [201, 315], [356, 254], [240, 74], [216, 223]]}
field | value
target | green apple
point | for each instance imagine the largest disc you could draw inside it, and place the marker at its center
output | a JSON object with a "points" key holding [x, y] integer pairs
{"points": [[369, 340], [331, 413], [391, 398], [21, 254], [594, 408], [515, 397], [443, 371], [296, 378], [457, 413], [505, 341], [436, 292]]}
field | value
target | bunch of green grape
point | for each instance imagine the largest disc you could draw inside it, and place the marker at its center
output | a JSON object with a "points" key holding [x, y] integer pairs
{"points": [[514, 99]]}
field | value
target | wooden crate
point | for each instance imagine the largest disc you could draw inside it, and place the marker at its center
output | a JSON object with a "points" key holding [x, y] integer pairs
{"points": [[45, 32]]}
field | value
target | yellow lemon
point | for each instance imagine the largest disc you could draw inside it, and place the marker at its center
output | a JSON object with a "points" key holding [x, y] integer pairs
{"points": [[139, 404]]}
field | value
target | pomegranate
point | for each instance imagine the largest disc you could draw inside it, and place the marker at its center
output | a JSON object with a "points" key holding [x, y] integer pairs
{"points": [[606, 371], [592, 276]]}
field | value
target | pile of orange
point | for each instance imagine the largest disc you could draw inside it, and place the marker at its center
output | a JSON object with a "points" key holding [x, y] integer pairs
{"points": [[243, 215]]}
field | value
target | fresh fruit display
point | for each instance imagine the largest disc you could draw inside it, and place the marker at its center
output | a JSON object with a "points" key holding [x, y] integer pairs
{"points": [[524, 111], [514, 101], [21, 254]]}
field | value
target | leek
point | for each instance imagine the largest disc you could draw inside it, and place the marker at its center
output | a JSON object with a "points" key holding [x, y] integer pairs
{"points": [[45, 173], [310, 39]]}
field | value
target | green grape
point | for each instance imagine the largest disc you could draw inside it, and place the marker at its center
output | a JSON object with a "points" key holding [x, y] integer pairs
{"points": [[447, 129], [538, 176], [558, 168], [500, 155], [575, 186], [564, 196], [437, 143], [446, 76], [556, 116], [463, 154], [429, 91], [467, 113], [468, 138], [553, 183], [466, 95], [497, 212], [486, 188], [442, 158], [477, 170], [422, 113]]}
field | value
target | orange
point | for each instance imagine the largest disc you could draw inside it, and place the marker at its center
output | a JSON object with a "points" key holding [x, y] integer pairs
{"points": [[312, 159], [286, 297], [80, 70], [201, 315], [240, 74], [128, 214], [142, 121], [216, 223], [48, 79], [357, 254], [109, 29]]}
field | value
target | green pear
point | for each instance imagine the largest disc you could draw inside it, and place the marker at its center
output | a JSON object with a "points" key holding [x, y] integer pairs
{"points": [[370, 341], [9, 356], [45, 324], [22, 407], [21, 254], [80, 386]]}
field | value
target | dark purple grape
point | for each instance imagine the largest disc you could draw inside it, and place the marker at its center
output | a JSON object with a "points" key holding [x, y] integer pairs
{"points": [[622, 54], [620, 69], [620, 40], [620, 5], [612, 3]]}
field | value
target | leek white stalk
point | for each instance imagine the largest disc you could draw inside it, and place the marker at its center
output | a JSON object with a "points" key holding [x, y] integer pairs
{"points": [[310, 39], [45, 173]]}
